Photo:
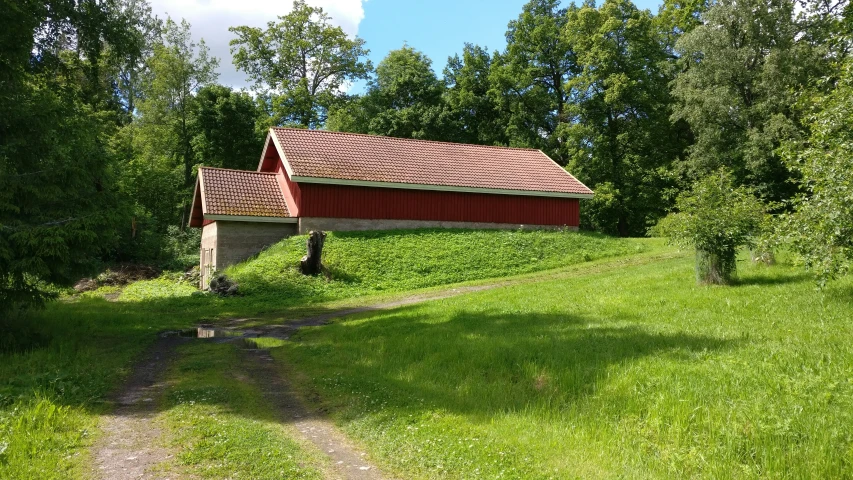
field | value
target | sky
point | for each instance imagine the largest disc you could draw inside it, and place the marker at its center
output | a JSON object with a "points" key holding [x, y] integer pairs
{"points": [[439, 28]]}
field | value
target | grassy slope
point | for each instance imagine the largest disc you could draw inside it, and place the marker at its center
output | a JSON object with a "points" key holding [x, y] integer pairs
{"points": [[363, 263], [634, 372], [52, 391]]}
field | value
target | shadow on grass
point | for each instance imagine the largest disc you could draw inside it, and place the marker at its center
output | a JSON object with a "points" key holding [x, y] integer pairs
{"points": [[474, 363], [770, 277]]}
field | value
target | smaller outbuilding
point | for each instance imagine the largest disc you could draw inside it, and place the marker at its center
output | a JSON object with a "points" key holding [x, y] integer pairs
{"points": [[319, 180]]}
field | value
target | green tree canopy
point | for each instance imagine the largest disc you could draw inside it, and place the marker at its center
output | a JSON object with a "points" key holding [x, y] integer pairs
{"points": [[403, 100], [742, 69], [821, 227], [300, 64], [224, 129], [59, 208], [529, 78], [473, 115], [622, 139], [160, 175]]}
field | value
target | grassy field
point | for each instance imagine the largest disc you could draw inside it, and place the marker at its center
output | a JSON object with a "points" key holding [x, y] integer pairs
{"points": [[65, 360], [634, 372], [608, 367]]}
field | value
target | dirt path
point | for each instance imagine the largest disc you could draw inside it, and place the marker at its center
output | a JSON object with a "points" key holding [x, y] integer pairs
{"points": [[348, 462], [129, 445]]}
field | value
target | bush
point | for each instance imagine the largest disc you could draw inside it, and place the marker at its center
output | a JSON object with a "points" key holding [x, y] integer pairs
{"points": [[716, 219]]}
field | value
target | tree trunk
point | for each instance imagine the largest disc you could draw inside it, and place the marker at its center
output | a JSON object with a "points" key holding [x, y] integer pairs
{"points": [[715, 268], [311, 264]]}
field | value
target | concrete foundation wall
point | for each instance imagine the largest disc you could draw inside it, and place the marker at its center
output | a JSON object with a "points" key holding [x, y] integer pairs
{"points": [[306, 224], [233, 242], [237, 241]]}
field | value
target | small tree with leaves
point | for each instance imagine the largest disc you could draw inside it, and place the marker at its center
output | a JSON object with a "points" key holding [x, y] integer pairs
{"points": [[716, 218]]}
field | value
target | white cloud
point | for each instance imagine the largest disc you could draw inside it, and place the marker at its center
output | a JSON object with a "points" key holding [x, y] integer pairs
{"points": [[210, 20]]}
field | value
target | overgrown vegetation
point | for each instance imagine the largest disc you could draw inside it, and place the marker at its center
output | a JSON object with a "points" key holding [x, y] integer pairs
{"points": [[626, 372]]}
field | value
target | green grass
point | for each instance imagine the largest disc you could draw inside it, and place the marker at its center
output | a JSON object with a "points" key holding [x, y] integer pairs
{"points": [[363, 263], [221, 427], [632, 372], [68, 358]]}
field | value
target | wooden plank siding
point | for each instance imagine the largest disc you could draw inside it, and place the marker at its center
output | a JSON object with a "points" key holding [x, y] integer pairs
{"points": [[340, 201], [374, 203]]}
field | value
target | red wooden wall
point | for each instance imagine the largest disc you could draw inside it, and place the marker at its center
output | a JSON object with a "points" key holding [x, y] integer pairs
{"points": [[339, 201]]}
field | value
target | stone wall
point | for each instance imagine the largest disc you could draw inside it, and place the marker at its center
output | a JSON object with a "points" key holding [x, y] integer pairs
{"points": [[306, 224]]}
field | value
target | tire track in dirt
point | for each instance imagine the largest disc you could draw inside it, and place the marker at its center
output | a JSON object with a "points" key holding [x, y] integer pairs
{"points": [[129, 444], [347, 461]]}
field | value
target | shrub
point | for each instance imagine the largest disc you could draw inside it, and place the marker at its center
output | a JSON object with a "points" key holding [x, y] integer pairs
{"points": [[716, 219]]}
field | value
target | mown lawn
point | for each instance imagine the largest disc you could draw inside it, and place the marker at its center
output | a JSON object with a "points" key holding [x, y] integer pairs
{"points": [[62, 363], [630, 372]]}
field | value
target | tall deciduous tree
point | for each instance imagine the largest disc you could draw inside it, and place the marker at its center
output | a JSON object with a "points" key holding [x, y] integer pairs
{"points": [[622, 140], [472, 114], [300, 64], [403, 100], [529, 79], [742, 67], [162, 136], [142, 30], [223, 125]]}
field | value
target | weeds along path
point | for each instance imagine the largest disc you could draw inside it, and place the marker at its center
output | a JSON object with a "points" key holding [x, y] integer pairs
{"points": [[129, 446], [347, 461]]}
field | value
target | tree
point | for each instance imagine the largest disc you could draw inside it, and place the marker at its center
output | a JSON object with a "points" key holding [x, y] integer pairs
{"points": [[821, 227], [471, 113], [162, 135], [716, 218], [223, 126], [142, 30], [403, 100], [300, 64], [742, 67], [58, 204], [622, 140], [529, 78]]}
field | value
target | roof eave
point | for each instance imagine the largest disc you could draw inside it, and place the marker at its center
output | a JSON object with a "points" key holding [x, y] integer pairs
{"points": [[439, 188]]}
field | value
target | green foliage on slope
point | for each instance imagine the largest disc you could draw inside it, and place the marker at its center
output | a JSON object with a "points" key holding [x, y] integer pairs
{"points": [[389, 261]]}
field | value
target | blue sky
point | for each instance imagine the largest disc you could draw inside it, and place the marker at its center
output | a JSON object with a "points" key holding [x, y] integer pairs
{"points": [[439, 28]]}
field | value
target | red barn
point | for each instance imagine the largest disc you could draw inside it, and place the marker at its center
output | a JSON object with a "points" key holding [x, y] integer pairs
{"points": [[318, 180]]}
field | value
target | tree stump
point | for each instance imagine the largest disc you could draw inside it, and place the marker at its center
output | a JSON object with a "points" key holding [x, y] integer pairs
{"points": [[311, 264]]}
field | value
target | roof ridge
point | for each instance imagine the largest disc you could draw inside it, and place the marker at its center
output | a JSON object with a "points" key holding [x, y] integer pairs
{"points": [[500, 147], [234, 170]]}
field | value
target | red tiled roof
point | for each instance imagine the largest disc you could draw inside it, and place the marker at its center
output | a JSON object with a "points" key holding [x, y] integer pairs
{"points": [[348, 157], [242, 193]]}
